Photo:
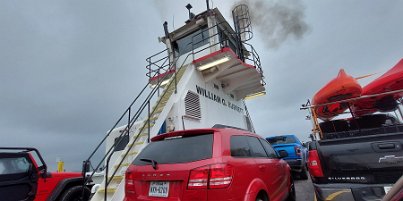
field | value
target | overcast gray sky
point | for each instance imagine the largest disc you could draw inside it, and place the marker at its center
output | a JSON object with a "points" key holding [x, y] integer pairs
{"points": [[69, 68]]}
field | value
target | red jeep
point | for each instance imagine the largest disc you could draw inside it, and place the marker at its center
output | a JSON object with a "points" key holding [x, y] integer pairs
{"points": [[24, 176]]}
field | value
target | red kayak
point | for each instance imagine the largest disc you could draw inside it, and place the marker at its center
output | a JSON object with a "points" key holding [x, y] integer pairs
{"points": [[392, 80], [340, 88]]}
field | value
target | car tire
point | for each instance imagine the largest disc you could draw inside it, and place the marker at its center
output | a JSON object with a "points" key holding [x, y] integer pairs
{"points": [[304, 173], [74, 194], [262, 197], [291, 192]]}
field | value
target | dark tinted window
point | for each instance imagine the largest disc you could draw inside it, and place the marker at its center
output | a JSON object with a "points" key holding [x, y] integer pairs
{"points": [[193, 40], [240, 146], [246, 146], [269, 150], [257, 148], [121, 142], [178, 150], [281, 140]]}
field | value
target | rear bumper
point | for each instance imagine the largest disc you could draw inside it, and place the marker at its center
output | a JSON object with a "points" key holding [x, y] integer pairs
{"points": [[347, 192], [295, 164]]}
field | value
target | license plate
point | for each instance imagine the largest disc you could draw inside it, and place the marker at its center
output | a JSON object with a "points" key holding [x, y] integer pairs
{"points": [[159, 189], [387, 189]]}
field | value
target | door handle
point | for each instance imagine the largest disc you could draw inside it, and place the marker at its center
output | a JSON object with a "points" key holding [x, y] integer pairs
{"points": [[262, 167], [386, 146]]}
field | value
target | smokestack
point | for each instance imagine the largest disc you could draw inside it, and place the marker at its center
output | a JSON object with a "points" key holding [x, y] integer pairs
{"points": [[208, 5]]}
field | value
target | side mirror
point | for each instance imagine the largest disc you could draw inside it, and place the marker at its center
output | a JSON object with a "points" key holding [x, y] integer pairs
{"points": [[43, 172], [86, 168], [282, 154]]}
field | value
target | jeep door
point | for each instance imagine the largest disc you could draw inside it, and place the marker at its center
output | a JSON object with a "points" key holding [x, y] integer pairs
{"points": [[18, 177]]}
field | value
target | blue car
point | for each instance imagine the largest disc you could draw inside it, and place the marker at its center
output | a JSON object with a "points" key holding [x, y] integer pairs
{"points": [[297, 153]]}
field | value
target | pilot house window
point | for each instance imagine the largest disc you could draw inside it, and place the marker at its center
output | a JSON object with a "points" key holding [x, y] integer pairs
{"points": [[191, 41]]}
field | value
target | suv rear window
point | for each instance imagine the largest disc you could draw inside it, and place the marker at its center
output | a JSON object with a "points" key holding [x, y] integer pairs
{"points": [[182, 149]]}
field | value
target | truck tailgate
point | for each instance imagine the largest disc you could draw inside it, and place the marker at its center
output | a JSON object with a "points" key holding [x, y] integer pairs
{"points": [[365, 159], [289, 148]]}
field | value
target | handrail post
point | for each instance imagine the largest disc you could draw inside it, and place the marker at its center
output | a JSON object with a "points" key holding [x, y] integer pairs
{"points": [[106, 179], [254, 59], [148, 121], [158, 84], [176, 82], [129, 119], [149, 67]]}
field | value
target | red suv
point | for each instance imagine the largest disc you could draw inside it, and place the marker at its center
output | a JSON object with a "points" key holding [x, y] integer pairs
{"points": [[209, 164]]}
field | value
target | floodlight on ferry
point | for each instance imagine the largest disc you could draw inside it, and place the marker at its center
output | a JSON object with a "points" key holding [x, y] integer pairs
{"points": [[162, 83], [212, 64], [252, 96]]}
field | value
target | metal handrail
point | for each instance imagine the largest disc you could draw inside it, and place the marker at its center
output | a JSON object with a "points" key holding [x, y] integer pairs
{"points": [[255, 58], [155, 63], [252, 59], [126, 130], [160, 67], [143, 127]]}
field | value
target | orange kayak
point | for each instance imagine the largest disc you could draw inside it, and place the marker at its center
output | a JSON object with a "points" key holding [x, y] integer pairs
{"points": [[392, 80], [340, 88]]}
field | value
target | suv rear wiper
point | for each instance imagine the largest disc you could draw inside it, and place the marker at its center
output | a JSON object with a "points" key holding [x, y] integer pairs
{"points": [[153, 162]]}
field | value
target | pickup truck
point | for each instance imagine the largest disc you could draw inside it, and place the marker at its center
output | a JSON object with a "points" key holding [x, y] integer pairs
{"points": [[297, 153], [24, 176], [357, 158]]}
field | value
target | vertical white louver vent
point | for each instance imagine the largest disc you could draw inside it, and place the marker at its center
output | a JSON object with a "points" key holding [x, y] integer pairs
{"points": [[192, 105]]}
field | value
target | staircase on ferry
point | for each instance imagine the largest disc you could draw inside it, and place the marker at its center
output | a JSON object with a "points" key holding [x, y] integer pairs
{"points": [[157, 102]]}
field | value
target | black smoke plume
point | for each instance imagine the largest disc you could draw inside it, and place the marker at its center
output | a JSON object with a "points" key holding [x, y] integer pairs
{"points": [[277, 21]]}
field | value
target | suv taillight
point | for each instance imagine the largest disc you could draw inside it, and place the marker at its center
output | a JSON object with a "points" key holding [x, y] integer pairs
{"points": [[198, 178], [220, 176], [315, 168], [210, 176], [297, 150], [129, 187]]}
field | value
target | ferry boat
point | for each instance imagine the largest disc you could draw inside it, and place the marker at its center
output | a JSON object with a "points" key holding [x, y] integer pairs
{"points": [[201, 80]]}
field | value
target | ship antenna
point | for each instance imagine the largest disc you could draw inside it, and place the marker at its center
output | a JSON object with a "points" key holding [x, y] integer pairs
{"points": [[189, 7]]}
